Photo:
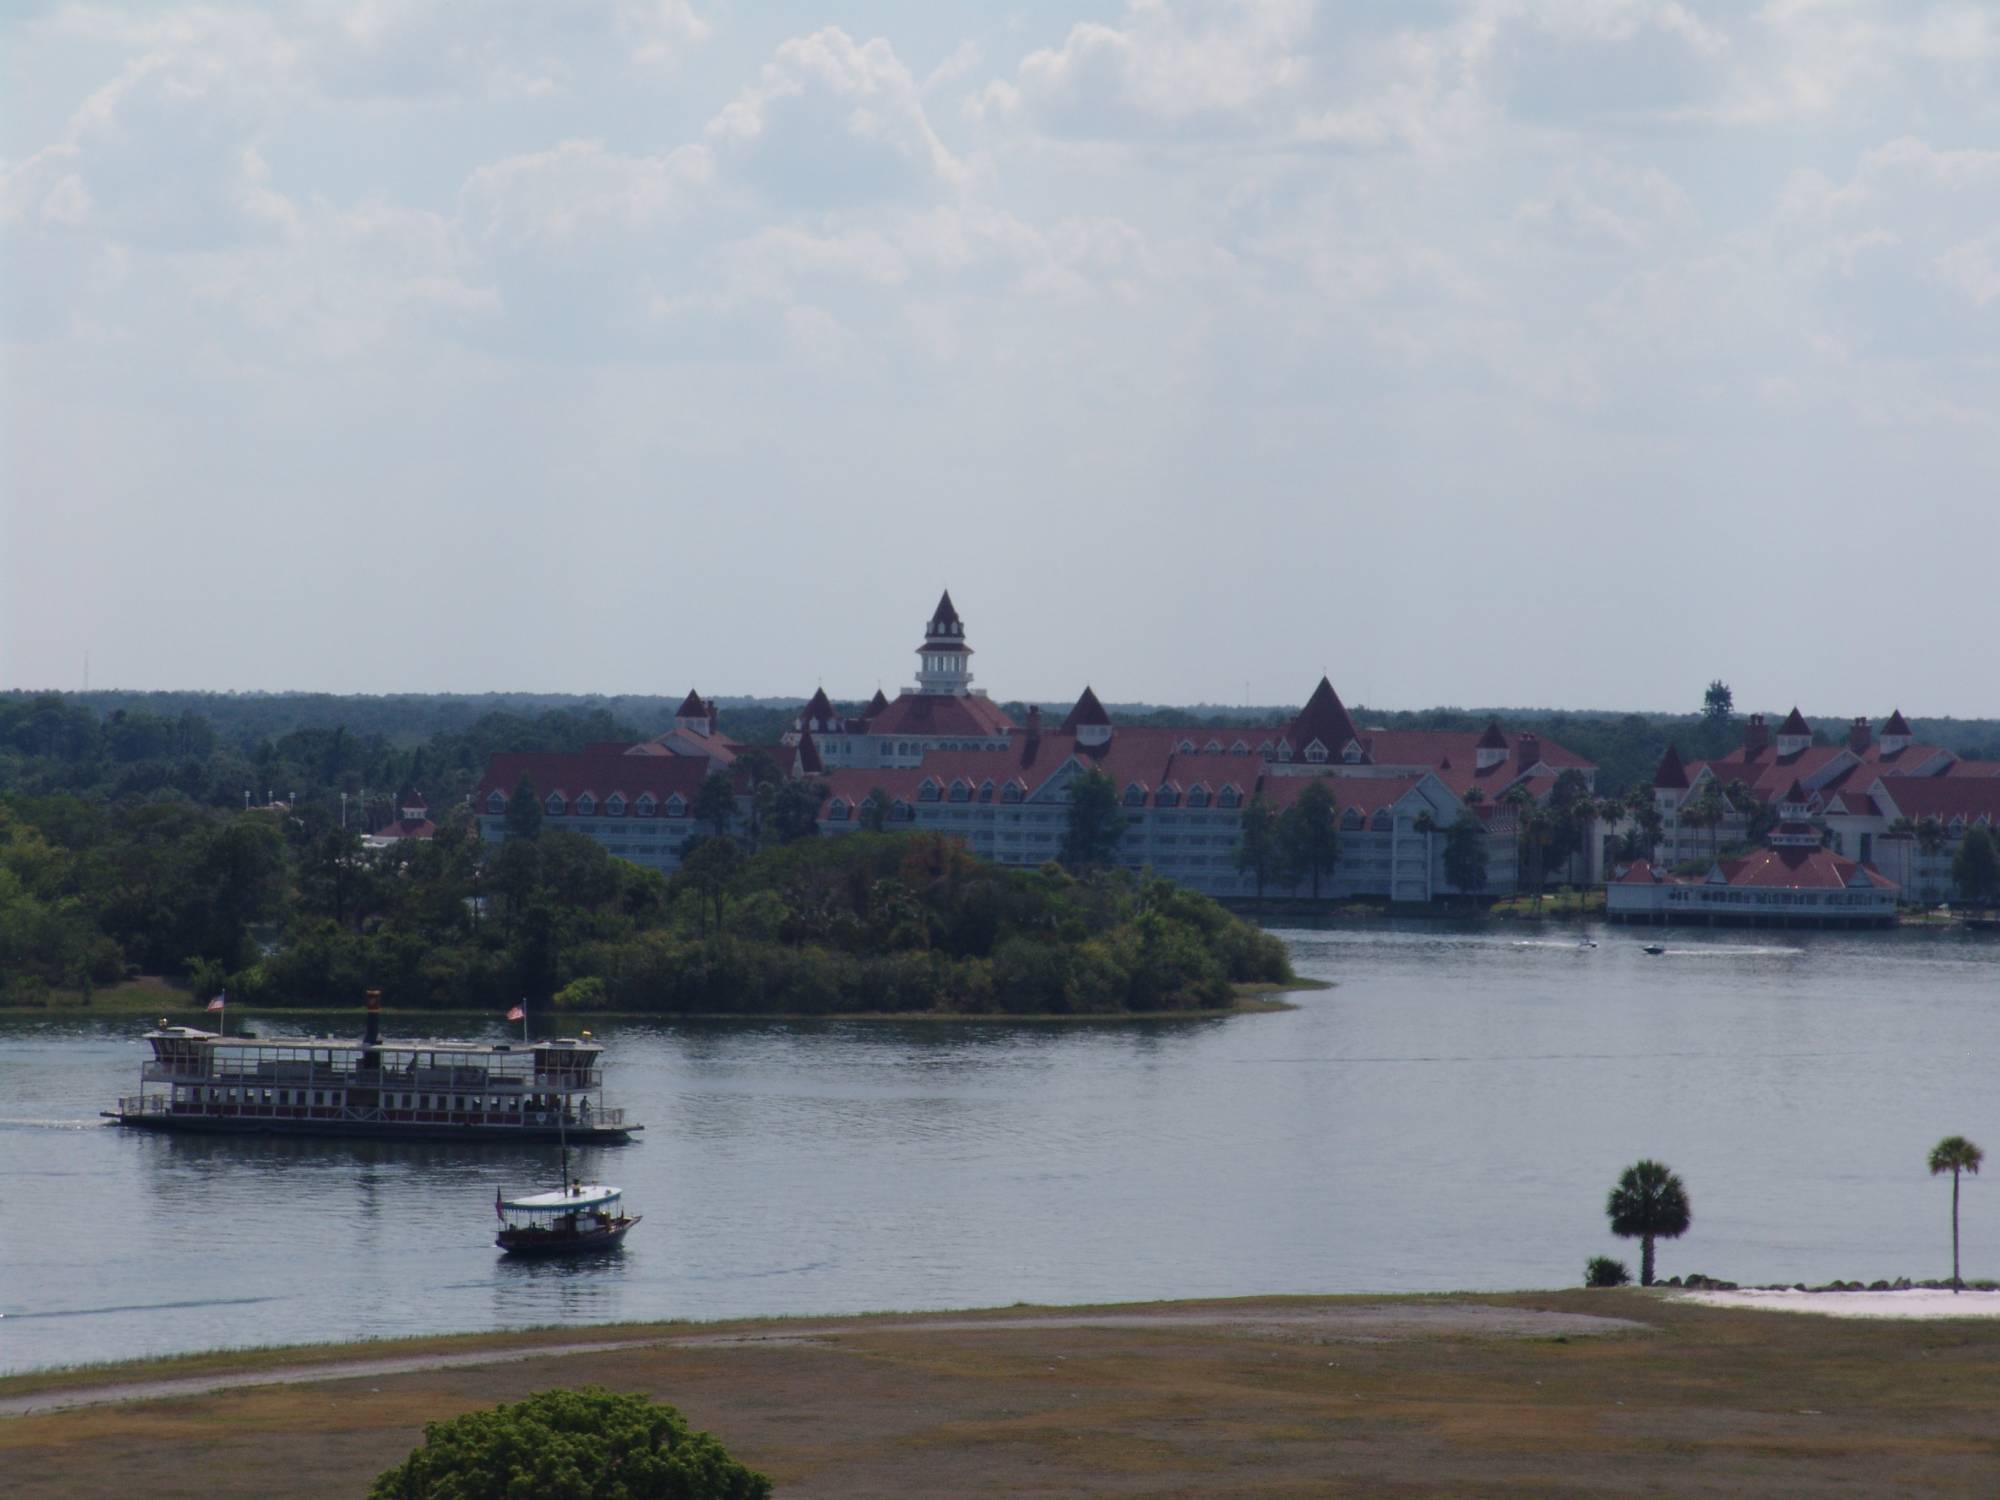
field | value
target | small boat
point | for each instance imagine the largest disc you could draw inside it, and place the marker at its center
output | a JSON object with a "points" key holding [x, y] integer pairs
{"points": [[1586, 942], [1656, 949], [573, 1220]]}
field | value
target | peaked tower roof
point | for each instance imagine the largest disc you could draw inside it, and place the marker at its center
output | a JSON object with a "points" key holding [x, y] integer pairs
{"points": [[944, 614], [1795, 723], [877, 703], [1087, 711], [1324, 718], [1493, 739], [1671, 775], [818, 707], [692, 707], [1897, 724], [810, 763]]}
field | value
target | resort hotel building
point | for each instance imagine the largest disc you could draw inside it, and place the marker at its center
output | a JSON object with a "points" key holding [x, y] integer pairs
{"points": [[945, 757]]}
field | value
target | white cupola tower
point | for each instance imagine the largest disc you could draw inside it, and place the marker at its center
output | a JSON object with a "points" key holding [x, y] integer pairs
{"points": [[944, 660]]}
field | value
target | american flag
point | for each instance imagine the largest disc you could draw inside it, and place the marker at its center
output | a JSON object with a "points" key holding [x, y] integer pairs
{"points": [[518, 1013], [219, 1001]]}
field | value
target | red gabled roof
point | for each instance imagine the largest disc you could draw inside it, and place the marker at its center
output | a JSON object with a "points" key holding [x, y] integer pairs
{"points": [[1897, 724], [1671, 775], [1640, 872], [407, 828], [662, 775], [1941, 797], [692, 707], [940, 714], [1324, 718], [1799, 869], [1493, 739], [1087, 711], [1795, 723]]}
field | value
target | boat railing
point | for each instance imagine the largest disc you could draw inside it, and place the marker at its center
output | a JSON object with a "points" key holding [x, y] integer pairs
{"points": [[145, 1104], [281, 1075]]}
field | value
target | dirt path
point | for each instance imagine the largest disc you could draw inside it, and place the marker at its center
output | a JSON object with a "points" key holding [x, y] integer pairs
{"points": [[1369, 1321]]}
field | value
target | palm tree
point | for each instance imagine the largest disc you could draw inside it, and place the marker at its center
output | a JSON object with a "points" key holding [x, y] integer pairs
{"points": [[1649, 1203], [1955, 1154]]}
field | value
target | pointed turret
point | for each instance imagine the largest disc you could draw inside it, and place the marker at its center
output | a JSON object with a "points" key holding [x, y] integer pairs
{"points": [[1491, 749], [1088, 721], [1670, 775], [946, 659], [944, 614], [877, 703], [1795, 734], [807, 761], [818, 712], [1324, 718]]}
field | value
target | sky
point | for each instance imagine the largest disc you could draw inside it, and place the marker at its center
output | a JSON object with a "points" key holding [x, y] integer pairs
{"points": [[1564, 354]]}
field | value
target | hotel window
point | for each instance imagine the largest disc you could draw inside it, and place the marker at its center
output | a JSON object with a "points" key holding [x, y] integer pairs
{"points": [[1135, 795], [960, 792], [928, 792], [1166, 797], [1228, 797], [837, 811], [496, 804], [554, 804], [646, 805], [586, 805], [1197, 797], [985, 791], [614, 806], [1010, 794]]}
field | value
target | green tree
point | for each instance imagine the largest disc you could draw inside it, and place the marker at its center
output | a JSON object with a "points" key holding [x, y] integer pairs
{"points": [[875, 811], [1258, 855], [715, 803], [1956, 1155], [1718, 704], [1309, 834], [1095, 823], [588, 1444], [795, 811], [1649, 1203], [1708, 810], [708, 868], [1465, 852], [1976, 866], [524, 811]]}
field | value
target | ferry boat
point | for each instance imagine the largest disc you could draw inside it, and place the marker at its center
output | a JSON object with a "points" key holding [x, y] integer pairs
{"points": [[575, 1219], [415, 1090]]}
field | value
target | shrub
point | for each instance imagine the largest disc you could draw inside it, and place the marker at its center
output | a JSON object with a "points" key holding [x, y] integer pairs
{"points": [[588, 1444], [1602, 1270]]}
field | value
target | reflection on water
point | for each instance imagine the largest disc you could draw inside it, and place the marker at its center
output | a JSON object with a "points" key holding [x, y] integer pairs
{"points": [[1449, 1116]]}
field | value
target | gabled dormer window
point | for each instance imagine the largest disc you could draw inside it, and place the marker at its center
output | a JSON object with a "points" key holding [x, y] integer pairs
{"points": [[1241, 747], [986, 791], [1316, 752], [901, 811], [496, 804], [646, 806], [1197, 796], [586, 805], [676, 806], [1351, 821], [1382, 822], [1168, 795], [961, 791], [614, 805], [836, 810], [1213, 747], [554, 804], [1284, 750], [1352, 754], [1011, 792], [928, 792], [1228, 797], [1135, 795], [1185, 747]]}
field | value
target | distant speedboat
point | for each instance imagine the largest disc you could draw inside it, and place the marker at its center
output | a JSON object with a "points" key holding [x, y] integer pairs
{"points": [[1586, 942], [1656, 949]]}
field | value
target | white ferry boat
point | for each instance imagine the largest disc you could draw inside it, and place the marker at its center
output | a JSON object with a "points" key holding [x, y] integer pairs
{"points": [[414, 1090]]}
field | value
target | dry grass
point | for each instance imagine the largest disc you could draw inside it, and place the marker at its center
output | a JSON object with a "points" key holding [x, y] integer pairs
{"points": [[1280, 1397]]}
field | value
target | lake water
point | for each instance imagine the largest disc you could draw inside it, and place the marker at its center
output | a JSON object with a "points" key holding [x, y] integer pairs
{"points": [[1450, 1117]]}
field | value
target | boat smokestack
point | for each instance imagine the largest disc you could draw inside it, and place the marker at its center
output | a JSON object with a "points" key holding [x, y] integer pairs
{"points": [[372, 1037]]}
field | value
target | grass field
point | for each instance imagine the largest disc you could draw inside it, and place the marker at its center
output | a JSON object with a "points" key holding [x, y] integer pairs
{"points": [[1554, 1394]]}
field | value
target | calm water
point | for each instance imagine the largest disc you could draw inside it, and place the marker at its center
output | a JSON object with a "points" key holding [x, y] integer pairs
{"points": [[1450, 1117]]}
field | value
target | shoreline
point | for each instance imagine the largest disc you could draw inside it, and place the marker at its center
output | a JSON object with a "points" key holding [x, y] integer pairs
{"points": [[1567, 1392], [152, 996]]}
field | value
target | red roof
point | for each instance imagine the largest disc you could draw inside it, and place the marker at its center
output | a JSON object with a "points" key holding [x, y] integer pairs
{"points": [[1795, 723], [1087, 711], [407, 828], [1671, 774], [1800, 869], [600, 775], [1941, 797], [1897, 724], [692, 707], [938, 714], [1324, 718]]}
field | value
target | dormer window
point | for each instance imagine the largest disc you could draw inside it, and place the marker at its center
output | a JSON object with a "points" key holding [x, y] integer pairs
{"points": [[837, 810], [554, 804], [646, 806], [1186, 747], [961, 791], [496, 804], [928, 792], [1352, 754], [1213, 747], [1382, 822], [1316, 752], [1351, 821], [586, 805], [614, 805], [1167, 796], [1011, 792], [1284, 750], [1197, 796], [901, 811], [1241, 747], [986, 791], [1228, 797], [676, 807], [1135, 795]]}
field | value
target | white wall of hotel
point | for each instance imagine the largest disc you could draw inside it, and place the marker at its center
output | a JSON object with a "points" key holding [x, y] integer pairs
{"points": [[1387, 857]]}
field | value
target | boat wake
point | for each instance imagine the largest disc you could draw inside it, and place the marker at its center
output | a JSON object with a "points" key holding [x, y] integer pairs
{"points": [[31, 1123], [128, 1307]]}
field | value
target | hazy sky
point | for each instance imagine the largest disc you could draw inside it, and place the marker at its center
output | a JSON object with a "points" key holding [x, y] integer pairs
{"points": [[1567, 353]]}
